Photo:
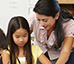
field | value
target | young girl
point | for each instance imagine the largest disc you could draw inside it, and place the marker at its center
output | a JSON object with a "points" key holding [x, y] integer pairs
{"points": [[20, 49]]}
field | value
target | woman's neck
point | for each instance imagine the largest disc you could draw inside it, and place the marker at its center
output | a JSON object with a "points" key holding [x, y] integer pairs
{"points": [[49, 32]]}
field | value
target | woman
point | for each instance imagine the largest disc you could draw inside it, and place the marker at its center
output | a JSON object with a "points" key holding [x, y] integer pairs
{"points": [[53, 29]]}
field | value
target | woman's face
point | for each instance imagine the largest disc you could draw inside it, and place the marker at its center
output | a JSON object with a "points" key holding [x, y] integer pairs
{"points": [[20, 37], [48, 22]]}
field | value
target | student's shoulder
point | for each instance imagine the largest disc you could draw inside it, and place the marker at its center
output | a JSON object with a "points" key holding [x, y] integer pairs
{"points": [[34, 46], [36, 50], [6, 51]]}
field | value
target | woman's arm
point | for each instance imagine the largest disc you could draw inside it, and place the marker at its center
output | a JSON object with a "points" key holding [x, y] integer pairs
{"points": [[5, 57], [42, 58], [65, 51]]}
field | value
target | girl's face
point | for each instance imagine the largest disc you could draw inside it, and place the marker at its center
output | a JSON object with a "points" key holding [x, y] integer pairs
{"points": [[20, 37], [48, 22]]}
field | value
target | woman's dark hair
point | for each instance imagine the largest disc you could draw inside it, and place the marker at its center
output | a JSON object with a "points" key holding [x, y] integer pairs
{"points": [[3, 41], [51, 8], [14, 24]]}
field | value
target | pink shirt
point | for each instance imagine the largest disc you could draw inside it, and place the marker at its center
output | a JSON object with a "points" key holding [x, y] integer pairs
{"points": [[40, 35]]}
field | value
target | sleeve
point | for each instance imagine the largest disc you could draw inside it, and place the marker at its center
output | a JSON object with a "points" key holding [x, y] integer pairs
{"points": [[6, 51], [69, 29], [31, 20], [39, 51]]}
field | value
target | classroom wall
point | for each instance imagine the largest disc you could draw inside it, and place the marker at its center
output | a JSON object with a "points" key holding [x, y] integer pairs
{"points": [[10, 8]]}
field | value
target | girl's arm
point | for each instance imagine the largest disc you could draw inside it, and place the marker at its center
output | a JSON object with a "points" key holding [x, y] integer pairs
{"points": [[65, 51], [42, 58], [5, 57]]}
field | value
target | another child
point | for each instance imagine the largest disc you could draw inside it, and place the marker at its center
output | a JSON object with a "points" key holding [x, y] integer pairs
{"points": [[20, 49], [2, 42]]}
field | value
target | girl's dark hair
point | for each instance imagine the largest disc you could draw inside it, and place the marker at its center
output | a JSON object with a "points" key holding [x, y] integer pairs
{"points": [[15, 24], [51, 8]]}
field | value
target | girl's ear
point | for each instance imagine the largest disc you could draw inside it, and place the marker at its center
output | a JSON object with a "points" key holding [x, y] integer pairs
{"points": [[57, 16]]}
